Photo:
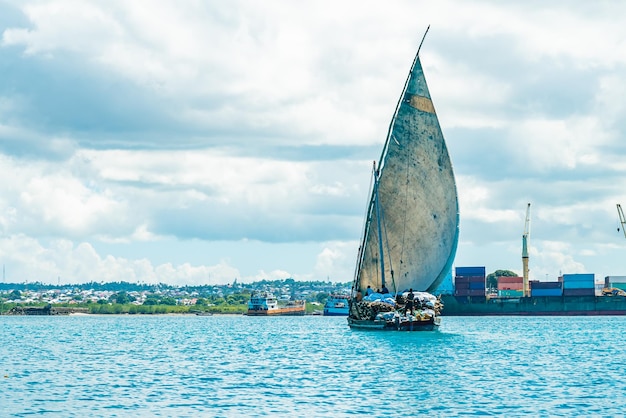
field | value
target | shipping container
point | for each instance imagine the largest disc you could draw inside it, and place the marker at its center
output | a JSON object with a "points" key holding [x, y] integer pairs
{"points": [[621, 286], [461, 285], [477, 285], [579, 277], [546, 292], [579, 284], [579, 292], [469, 279], [545, 285], [510, 293], [508, 279], [510, 286], [470, 271], [611, 281]]}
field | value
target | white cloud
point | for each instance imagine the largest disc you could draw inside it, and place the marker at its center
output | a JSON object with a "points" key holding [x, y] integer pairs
{"points": [[336, 261], [27, 260], [260, 121]]}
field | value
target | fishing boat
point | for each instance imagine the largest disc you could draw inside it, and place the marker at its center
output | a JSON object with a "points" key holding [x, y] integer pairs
{"points": [[336, 305], [411, 226], [266, 304]]}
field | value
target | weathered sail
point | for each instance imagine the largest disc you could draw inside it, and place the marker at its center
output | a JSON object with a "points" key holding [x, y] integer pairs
{"points": [[415, 198]]}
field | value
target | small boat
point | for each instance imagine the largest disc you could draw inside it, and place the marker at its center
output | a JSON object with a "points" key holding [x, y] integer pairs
{"points": [[266, 304], [411, 228], [337, 305]]}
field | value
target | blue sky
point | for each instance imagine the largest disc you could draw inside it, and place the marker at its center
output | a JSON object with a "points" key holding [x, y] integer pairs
{"points": [[197, 142]]}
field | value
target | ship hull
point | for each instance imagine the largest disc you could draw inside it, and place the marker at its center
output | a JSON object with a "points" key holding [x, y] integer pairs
{"points": [[336, 307], [330, 312], [288, 311], [426, 325], [534, 306]]}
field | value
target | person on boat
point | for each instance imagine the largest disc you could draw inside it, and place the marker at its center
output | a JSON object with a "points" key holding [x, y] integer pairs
{"points": [[409, 302], [369, 290], [399, 299], [385, 290], [359, 295]]}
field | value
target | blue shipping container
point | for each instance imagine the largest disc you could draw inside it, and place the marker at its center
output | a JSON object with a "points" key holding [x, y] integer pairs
{"points": [[477, 285], [470, 271], [579, 277], [546, 292], [546, 285], [510, 293]]}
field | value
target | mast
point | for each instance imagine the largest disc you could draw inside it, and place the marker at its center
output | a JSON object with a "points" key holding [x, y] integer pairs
{"points": [[366, 226], [380, 232], [525, 237]]}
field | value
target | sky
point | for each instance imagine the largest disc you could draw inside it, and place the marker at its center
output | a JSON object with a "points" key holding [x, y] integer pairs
{"points": [[199, 142]]}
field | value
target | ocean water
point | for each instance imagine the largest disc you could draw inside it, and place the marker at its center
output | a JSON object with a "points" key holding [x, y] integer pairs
{"points": [[234, 366]]}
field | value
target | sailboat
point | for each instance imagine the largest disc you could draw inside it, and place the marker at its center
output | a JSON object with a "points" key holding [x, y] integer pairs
{"points": [[411, 226]]}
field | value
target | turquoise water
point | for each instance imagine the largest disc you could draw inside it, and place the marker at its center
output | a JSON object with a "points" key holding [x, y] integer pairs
{"points": [[232, 366]]}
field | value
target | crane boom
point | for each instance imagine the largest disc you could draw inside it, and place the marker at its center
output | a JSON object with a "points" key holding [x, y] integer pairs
{"points": [[525, 238], [622, 219]]}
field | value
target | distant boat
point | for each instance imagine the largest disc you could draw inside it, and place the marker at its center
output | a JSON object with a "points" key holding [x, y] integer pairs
{"points": [[337, 305], [266, 304], [412, 221]]}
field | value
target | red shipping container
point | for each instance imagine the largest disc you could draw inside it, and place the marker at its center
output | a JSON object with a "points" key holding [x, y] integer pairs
{"points": [[507, 279], [510, 286]]}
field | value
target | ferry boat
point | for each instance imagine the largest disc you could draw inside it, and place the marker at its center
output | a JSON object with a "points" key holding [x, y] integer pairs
{"points": [[337, 305], [266, 304]]}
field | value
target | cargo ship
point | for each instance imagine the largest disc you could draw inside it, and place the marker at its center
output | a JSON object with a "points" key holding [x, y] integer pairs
{"points": [[266, 304], [570, 295]]}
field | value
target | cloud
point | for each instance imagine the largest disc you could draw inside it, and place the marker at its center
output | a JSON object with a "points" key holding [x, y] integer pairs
{"points": [[133, 132]]}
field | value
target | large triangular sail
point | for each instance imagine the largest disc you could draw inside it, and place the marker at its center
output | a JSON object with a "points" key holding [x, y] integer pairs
{"points": [[412, 224]]}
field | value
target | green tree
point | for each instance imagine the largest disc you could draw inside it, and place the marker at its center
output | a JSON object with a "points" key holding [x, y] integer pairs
{"points": [[492, 278], [321, 297], [168, 301], [122, 298], [14, 295]]}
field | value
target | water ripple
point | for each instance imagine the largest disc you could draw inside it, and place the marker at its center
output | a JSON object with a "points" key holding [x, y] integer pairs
{"points": [[309, 366]]}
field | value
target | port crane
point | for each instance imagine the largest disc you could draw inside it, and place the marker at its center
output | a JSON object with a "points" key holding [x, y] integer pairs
{"points": [[525, 238], [622, 219]]}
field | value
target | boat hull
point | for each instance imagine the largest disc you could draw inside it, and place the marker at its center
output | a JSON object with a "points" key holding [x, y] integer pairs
{"points": [[425, 325], [330, 312], [288, 311], [534, 306]]}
